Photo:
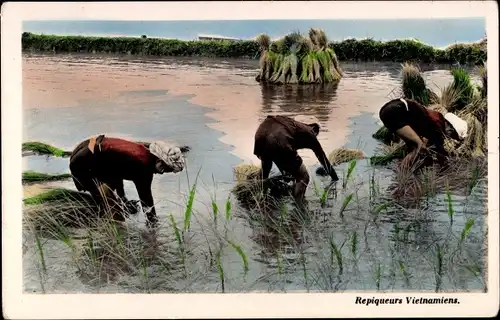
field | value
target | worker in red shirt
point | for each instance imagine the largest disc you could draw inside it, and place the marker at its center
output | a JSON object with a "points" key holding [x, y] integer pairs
{"points": [[420, 127], [277, 140], [107, 160]]}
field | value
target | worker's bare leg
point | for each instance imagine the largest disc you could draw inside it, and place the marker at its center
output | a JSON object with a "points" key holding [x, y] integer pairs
{"points": [[301, 183]]}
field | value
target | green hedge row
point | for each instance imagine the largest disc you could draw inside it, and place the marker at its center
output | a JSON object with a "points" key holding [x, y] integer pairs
{"points": [[347, 50]]}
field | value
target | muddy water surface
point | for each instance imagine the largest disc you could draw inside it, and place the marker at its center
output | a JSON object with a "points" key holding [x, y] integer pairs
{"points": [[214, 106]]}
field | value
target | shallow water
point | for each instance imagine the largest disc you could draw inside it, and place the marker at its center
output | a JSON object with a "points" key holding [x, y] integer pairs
{"points": [[214, 106]]}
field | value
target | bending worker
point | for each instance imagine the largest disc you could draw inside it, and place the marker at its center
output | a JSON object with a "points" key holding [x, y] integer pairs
{"points": [[107, 160], [277, 140], [419, 126]]}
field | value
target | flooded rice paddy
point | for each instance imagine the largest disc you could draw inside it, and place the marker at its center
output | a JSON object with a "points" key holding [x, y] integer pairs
{"points": [[214, 106]]}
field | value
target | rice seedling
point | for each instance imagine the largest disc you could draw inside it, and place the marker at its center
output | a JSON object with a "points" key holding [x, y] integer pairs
{"points": [[336, 255], [189, 207], [466, 230], [346, 202], [220, 269], [41, 148], [32, 177], [439, 267], [378, 276], [450, 206], [242, 255], [350, 170]]}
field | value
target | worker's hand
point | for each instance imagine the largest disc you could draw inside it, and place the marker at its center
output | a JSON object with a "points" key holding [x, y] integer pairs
{"points": [[425, 140]]}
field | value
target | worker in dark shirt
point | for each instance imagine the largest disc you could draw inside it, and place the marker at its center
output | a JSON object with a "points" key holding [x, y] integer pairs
{"points": [[420, 127], [277, 140], [107, 160]]}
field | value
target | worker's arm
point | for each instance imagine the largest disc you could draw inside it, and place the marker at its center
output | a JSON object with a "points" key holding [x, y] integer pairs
{"points": [[143, 186], [266, 168], [315, 146]]}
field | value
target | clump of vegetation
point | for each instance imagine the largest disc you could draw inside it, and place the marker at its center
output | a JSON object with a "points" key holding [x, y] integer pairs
{"points": [[298, 59], [32, 177], [347, 50], [45, 149]]}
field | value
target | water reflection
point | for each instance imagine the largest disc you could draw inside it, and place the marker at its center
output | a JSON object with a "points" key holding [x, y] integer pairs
{"points": [[314, 100]]}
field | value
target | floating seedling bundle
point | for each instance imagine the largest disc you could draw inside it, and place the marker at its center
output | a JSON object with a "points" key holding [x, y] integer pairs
{"points": [[298, 59]]}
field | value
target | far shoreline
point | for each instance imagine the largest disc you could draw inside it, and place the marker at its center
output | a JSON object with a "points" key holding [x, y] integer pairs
{"points": [[348, 50]]}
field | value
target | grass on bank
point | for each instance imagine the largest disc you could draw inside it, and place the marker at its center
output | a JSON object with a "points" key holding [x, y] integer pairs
{"points": [[347, 50]]}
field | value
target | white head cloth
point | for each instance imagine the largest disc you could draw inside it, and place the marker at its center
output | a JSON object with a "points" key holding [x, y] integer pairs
{"points": [[458, 124], [171, 155]]}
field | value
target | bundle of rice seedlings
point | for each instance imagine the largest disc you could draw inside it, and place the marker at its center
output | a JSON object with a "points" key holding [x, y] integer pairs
{"points": [[414, 86], [294, 63], [325, 62], [307, 74], [478, 107], [297, 59], [484, 80], [243, 171], [407, 188], [264, 194], [463, 84], [32, 176], [291, 40], [385, 136], [334, 64], [342, 155], [264, 42], [389, 153], [450, 96], [316, 68], [41, 148], [475, 144], [318, 38]]}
